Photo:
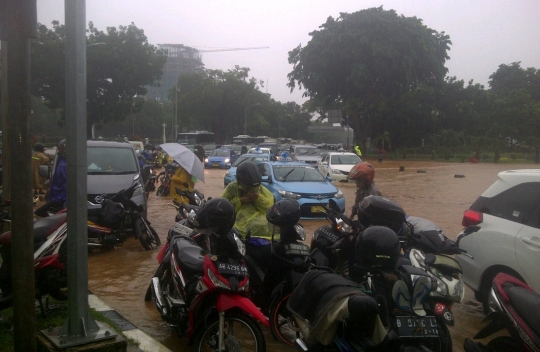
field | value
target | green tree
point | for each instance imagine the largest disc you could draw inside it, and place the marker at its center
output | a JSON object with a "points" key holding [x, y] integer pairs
{"points": [[364, 61], [120, 63]]}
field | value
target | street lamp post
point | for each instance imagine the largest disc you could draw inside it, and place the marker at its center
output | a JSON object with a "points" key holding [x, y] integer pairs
{"points": [[245, 114], [164, 136]]}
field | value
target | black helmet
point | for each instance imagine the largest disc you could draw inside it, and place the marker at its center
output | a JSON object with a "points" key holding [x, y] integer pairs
{"points": [[380, 211], [377, 246], [39, 147], [248, 174], [217, 214], [286, 212]]}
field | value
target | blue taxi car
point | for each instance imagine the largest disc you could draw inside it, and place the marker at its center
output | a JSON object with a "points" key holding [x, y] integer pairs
{"points": [[230, 175], [221, 158], [302, 182]]}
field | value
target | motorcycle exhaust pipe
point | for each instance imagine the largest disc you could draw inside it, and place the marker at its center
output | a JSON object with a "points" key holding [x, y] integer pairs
{"points": [[92, 245], [160, 301], [300, 345]]}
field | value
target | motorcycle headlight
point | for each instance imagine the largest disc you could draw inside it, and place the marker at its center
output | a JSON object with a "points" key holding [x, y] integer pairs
{"points": [[290, 195], [240, 245], [459, 292], [441, 289], [339, 194]]}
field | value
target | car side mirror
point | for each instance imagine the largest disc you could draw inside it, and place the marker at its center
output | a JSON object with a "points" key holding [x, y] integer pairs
{"points": [[325, 163], [329, 178], [146, 171], [44, 170], [266, 179]]}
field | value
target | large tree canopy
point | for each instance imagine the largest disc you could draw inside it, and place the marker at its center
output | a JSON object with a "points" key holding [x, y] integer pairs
{"points": [[364, 61], [120, 63]]}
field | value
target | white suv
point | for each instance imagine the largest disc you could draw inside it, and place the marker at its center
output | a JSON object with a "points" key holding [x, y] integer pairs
{"points": [[508, 214]]}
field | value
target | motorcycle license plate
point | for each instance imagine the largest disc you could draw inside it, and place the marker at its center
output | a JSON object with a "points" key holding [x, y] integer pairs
{"points": [[232, 269], [317, 209], [417, 326]]}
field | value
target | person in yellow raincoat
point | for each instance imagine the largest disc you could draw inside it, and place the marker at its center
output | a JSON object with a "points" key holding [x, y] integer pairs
{"points": [[251, 201], [39, 158], [183, 180]]}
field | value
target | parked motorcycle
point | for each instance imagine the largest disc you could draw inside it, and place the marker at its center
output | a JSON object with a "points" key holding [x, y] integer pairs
{"points": [[514, 307], [111, 220], [427, 247], [273, 280], [50, 259], [164, 178], [201, 285]]}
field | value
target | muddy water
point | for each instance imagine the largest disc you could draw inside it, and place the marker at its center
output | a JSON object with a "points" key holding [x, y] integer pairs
{"points": [[121, 276]]}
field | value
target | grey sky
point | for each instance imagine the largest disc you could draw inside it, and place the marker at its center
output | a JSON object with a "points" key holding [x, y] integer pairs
{"points": [[484, 33]]}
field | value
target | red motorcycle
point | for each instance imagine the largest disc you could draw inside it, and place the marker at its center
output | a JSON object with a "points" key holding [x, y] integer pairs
{"points": [[514, 307], [50, 259], [201, 285]]}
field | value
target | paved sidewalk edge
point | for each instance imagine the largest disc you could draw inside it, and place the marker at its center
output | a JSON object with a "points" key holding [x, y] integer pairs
{"points": [[146, 342]]}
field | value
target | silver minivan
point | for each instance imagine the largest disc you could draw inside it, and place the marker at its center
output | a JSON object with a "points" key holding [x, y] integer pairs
{"points": [[111, 167]]}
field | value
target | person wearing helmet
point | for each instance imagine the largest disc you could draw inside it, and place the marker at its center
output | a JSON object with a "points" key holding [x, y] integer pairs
{"points": [[363, 174], [39, 158], [251, 201], [57, 197]]}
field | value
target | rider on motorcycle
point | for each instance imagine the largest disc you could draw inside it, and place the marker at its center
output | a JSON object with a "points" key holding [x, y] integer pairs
{"points": [[363, 174], [251, 201]]}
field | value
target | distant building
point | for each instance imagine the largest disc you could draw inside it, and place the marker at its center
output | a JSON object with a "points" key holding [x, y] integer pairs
{"points": [[334, 132], [180, 59]]}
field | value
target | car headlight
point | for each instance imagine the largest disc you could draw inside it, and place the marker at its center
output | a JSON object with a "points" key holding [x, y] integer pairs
{"points": [[339, 194], [206, 160], [336, 171], [138, 191], [227, 174], [226, 160], [290, 195]]}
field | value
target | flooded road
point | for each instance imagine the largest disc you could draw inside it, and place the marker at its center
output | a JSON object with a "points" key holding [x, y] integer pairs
{"points": [[121, 276]]}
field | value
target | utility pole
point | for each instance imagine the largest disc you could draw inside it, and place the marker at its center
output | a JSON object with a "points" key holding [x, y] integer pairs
{"points": [[18, 23]]}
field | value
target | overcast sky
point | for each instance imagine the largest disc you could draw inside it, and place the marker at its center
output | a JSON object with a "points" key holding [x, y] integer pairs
{"points": [[484, 33]]}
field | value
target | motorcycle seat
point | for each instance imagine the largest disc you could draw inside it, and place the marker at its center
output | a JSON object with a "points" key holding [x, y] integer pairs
{"points": [[361, 305], [43, 227], [189, 254], [527, 304]]}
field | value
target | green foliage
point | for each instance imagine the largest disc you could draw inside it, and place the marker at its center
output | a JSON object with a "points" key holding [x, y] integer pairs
{"points": [[365, 61], [120, 63]]}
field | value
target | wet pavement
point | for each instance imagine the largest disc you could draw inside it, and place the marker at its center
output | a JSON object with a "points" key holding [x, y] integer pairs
{"points": [[120, 276]]}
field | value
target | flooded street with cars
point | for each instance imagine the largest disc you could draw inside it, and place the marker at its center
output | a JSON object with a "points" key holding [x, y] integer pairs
{"points": [[437, 191]]}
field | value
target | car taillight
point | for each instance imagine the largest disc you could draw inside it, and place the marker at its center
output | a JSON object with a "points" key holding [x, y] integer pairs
{"points": [[472, 217]]}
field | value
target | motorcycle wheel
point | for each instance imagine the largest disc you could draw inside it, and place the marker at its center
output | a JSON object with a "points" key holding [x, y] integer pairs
{"points": [[282, 323], [146, 234], [444, 342], [240, 333]]}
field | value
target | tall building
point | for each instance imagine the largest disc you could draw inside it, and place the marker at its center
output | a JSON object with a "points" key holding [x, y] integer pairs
{"points": [[180, 59]]}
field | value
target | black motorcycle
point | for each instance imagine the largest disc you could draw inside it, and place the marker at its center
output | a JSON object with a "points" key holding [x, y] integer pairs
{"points": [[273, 279], [111, 220]]}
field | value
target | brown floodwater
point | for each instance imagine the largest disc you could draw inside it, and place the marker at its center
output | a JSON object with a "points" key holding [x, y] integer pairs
{"points": [[121, 276]]}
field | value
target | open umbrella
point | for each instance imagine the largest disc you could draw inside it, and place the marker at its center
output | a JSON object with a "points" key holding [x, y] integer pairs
{"points": [[186, 158]]}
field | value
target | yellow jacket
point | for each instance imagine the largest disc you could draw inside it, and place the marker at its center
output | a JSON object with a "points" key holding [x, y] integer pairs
{"points": [[181, 179], [251, 216]]}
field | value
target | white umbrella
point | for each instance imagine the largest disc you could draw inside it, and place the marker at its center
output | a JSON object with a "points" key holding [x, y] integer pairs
{"points": [[186, 158]]}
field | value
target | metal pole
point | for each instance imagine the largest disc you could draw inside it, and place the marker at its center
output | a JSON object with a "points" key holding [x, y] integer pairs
{"points": [[17, 24], [79, 319], [245, 118]]}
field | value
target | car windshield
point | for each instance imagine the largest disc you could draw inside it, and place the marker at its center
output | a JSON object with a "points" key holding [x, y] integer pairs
{"points": [[345, 160], [219, 152], [251, 158], [297, 174], [307, 151], [116, 161]]}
